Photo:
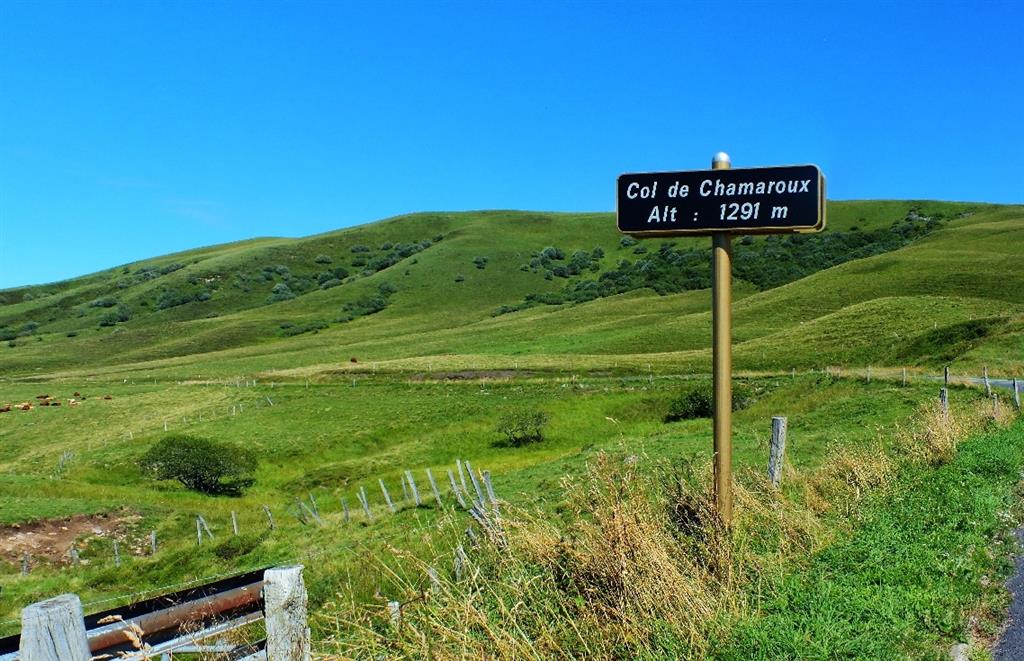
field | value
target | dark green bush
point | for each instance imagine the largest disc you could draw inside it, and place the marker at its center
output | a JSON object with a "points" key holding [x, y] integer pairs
{"points": [[103, 302], [698, 401], [480, 262], [280, 292], [520, 427], [322, 259], [200, 464]]}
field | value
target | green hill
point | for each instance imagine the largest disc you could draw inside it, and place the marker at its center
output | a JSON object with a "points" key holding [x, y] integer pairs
{"points": [[915, 283]]}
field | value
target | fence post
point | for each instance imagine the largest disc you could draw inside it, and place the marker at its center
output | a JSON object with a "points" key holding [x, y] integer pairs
{"points": [[117, 554], [1016, 394], [234, 523], [270, 517], [944, 400], [945, 376], [412, 486], [778, 449], [455, 489], [869, 374], [284, 598], [365, 503], [344, 508], [54, 629], [995, 405], [433, 487], [904, 377], [988, 385], [476, 483], [387, 497]]}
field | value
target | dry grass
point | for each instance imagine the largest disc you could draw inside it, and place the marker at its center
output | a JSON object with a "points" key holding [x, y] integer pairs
{"points": [[643, 569]]}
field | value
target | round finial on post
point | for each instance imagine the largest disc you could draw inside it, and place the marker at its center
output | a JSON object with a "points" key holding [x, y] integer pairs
{"points": [[721, 161]]}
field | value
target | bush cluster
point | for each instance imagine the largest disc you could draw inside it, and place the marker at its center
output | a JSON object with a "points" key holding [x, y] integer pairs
{"points": [[200, 464], [698, 401], [521, 427]]}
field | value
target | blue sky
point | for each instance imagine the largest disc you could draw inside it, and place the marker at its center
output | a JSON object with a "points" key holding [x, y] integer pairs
{"points": [[133, 129]]}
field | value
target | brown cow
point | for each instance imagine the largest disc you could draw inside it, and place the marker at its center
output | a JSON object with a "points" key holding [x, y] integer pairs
{"points": [[54, 403], [107, 397], [77, 394], [42, 397], [5, 409], [24, 406]]}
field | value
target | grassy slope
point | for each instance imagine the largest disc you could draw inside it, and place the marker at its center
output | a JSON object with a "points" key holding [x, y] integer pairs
{"points": [[905, 578], [958, 274]]}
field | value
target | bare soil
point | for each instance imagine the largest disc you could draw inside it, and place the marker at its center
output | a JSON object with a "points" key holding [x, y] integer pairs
{"points": [[52, 538]]}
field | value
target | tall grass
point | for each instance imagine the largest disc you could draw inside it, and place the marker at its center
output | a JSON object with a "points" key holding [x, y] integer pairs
{"points": [[639, 566]]}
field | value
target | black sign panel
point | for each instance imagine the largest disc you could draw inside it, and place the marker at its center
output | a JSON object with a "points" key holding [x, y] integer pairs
{"points": [[743, 201]]}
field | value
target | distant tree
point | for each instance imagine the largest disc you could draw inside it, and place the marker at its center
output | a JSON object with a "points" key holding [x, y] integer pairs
{"points": [[200, 464], [322, 259], [521, 427]]}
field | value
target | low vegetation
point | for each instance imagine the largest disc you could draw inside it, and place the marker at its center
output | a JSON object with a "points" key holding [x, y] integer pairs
{"points": [[206, 466]]}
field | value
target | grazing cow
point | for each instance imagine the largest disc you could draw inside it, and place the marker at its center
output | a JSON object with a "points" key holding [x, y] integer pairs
{"points": [[72, 402], [42, 397], [24, 406], [107, 397], [5, 409], [353, 360], [44, 402], [54, 403], [77, 394]]}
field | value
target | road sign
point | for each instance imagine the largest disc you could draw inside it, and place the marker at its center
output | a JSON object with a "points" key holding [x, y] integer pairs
{"points": [[704, 202]]}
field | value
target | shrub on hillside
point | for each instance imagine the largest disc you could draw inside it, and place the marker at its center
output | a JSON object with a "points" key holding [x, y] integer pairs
{"points": [[521, 427], [480, 262], [103, 302], [200, 464], [323, 259], [698, 402], [280, 292]]}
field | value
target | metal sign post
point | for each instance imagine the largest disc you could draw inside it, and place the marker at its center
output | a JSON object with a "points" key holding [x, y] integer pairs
{"points": [[721, 359], [719, 203]]}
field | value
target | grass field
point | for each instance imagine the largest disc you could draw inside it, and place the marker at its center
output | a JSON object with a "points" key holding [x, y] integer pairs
{"points": [[403, 364]]}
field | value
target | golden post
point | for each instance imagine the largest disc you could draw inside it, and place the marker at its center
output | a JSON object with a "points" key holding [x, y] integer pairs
{"points": [[721, 350]]}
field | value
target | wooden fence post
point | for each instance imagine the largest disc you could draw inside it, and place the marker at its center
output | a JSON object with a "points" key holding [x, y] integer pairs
{"points": [[270, 517], [365, 502], [476, 483], [285, 599], [387, 497], [24, 563], [462, 475], [945, 376], [433, 487], [777, 451], [234, 523], [944, 400], [988, 385], [995, 405], [1016, 394], [455, 489], [344, 508], [405, 489], [54, 630], [904, 377], [489, 487], [412, 486]]}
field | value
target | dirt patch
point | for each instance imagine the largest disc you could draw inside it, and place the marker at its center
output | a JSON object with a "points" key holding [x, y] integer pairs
{"points": [[468, 375], [51, 539]]}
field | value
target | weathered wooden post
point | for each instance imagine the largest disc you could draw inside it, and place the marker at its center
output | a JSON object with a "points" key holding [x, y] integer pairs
{"points": [[270, 517], [24, 563], [234, 523], [1016, 394], [490, 487], [365, 503], [904, 377], [476, 483], [778, 449], [387, 497], [988, 385], [995, 405], [455, 489], [944, 400], [54, 630], [433, 487], [945, 376], [285, 599], [412, 486], [344, 508]]}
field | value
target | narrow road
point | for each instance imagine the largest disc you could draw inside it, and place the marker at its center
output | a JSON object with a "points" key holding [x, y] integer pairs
{"points": [[1011, 644]]}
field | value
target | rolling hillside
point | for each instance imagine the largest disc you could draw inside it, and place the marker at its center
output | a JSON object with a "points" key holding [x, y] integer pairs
{"points": [[941, 283]]}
